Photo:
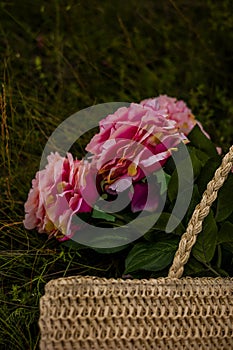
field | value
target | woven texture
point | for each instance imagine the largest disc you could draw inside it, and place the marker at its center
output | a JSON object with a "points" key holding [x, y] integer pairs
{"points": [[80, 313], [91, 313]]}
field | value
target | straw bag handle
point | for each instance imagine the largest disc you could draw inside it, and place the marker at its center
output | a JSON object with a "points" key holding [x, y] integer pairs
{"points": [[194, 227]]}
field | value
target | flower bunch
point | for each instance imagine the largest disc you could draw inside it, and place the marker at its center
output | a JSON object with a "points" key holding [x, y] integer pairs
{"points": [[136, 159], [56, 195]]}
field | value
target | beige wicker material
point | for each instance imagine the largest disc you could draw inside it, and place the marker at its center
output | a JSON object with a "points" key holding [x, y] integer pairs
{"points": [[80, 313]]}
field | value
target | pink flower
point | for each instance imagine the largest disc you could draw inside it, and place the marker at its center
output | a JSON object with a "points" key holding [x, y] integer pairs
{"points": [[145, 197], [58, 193], [173, 110], [132, 143]]}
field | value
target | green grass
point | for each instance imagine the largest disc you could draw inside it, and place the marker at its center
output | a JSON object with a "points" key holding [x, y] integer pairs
{"points": [[58, 57]]}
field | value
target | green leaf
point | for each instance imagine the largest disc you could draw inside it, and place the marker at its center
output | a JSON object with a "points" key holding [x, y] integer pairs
{"points": [[151, 256], [200, 141], [205, 245], [207, 173], [225, 200], [198, 159], [225, 234], [228, 246], [108, 240], [230, 218], [161, 225], [111, 250], [147, 220], [157, 222], [77, 246], [222, 272], [99, 214], [74, 245], [193, 267], [202, 156], [163, 179], [173, 184]]}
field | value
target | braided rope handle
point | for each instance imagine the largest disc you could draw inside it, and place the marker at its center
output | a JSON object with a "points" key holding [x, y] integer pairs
{"points": [[194, 227]]}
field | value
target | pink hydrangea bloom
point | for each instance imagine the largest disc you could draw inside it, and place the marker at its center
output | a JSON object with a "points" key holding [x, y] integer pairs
{"points": [[132, 143], [57, 194], [174, 110], [145, 197]]}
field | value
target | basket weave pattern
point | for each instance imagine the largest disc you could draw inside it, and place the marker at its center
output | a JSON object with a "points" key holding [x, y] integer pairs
{"points": [[91, 313], [80, 313]]}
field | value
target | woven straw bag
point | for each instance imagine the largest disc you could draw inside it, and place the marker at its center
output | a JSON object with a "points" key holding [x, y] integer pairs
{"points": [[164, 313]]}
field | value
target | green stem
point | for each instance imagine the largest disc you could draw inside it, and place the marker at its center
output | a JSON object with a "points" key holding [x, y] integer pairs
{"points": [[219, 260], [212, 269]]}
